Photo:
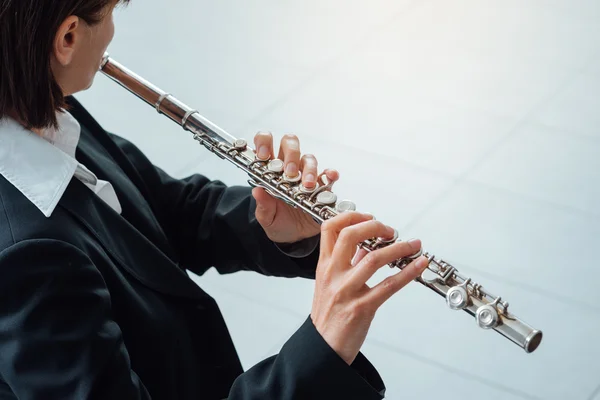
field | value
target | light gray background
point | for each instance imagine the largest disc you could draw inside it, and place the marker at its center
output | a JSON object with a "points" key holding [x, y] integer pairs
{"points": [[472, 125]]}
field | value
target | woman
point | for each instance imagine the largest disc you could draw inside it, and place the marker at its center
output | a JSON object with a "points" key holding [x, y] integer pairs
{"points": [[95, 302]]}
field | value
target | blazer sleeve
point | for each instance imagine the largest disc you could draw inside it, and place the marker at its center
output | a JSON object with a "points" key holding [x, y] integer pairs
{"points": [[57, 337], [307, 368], [212, 225]]}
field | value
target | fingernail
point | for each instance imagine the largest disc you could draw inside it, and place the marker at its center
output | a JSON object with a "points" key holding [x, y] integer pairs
{"points": [[310, 178], [422, 263], [415, 242], [369, 215], [291, 169], [263, 152]]}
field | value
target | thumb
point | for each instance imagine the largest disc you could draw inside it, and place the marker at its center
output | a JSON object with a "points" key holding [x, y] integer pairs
{"points": [[266, 207]]}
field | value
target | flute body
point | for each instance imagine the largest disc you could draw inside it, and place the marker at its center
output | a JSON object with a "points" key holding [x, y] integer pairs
{"points": [[321, 203]]}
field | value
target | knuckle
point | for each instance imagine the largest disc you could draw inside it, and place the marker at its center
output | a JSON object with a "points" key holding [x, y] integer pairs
{"points": [[345, 235], [360, 308], [380, 226], [326, 278], [414, 269], [389, 285], [337, 297], [342, 222], [374, 226], [331, 225], [356, 309], [325, 269], [404, 249], [328, 225], [335, 294], [372, 260]]}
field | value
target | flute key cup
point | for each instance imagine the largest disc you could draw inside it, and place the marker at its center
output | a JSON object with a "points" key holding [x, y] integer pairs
{"points": [[275, 166], [487, 316], [457, 297]]}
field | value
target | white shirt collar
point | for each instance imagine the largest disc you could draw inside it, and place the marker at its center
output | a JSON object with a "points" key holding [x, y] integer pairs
{"points": [[41, 167], [66, 137]]}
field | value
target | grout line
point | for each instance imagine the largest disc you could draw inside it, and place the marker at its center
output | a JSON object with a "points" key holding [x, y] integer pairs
{"points": [[452, 179], [462, 178], [387, 347], [367, 150], [449, 177], [566, 132], [512, 132], [257, 301], [414, 355], [411, 354], [494, 277], [274, 306], [558, 206], [405, 10], [456, 178], [318, 71], [540, 291], [370, 152], [452, 370], [332, 62], [594, 393]]}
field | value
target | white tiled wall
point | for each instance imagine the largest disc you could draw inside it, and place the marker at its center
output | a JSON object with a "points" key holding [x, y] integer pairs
{"points": [[470, 124]]}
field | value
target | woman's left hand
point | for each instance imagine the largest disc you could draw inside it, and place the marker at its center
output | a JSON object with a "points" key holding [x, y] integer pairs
{"points": [[281, 222]]}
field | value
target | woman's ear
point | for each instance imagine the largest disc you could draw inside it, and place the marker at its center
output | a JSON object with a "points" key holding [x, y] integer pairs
{"points": [[67, 37]]}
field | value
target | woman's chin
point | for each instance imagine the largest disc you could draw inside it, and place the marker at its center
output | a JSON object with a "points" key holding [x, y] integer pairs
{"points": [[86, 86]]}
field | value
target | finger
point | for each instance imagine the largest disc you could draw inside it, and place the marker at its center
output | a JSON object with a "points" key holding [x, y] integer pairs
{"points": [[332, 174], [308, 166], [331, 228], [365, 269], [392, 284], [360, 254], [328, 176], [266, 207], [289, 152], [351, 236], [263, 143]]}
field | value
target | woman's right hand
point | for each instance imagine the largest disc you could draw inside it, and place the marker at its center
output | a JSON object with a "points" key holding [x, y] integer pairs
{"points": [[343, 305]]}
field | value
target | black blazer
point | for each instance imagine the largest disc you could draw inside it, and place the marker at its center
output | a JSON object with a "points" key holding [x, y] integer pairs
{"points": [[97, 305]]}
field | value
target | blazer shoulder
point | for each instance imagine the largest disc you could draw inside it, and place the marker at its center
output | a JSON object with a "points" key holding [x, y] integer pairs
{"points": [[21, 220]]}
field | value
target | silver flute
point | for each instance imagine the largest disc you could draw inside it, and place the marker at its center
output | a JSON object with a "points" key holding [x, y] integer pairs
{"points": [[321, 203]]}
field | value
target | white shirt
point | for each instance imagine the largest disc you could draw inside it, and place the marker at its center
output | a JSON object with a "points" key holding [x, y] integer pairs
{"points": [[41, 166]]}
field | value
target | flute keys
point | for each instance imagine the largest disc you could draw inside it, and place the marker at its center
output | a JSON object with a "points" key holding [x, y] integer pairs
{"points": [[487, 316], [295, 179], [387, 241], [457, 298], [306, 190], [345, 205], [275, 166], [326, 198], [240, 144]]}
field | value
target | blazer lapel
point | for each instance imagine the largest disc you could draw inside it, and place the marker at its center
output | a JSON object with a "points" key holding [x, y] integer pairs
{"points": [[126, 245]]}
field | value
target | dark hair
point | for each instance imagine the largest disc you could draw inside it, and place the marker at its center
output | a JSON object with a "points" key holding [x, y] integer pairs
{"points": [[28, 89]]}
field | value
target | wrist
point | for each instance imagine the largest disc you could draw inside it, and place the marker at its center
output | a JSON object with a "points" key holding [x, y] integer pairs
{"points": [[335, 341], [300, 248]]}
